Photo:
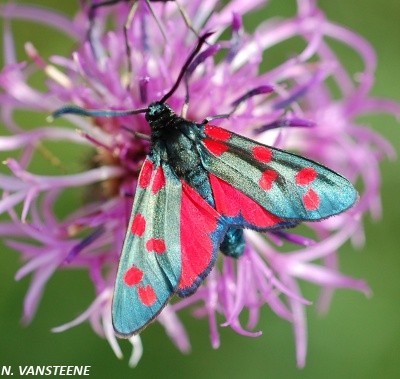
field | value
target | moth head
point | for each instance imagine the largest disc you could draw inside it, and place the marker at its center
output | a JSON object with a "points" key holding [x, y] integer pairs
{"points": [[157, 113]]}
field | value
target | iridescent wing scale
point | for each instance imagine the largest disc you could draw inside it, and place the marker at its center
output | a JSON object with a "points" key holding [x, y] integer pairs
{"points": [[287, 185], [150, 264]]}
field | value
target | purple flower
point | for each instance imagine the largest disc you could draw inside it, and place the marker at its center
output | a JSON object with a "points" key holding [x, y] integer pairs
{"points": [[290, 106]]}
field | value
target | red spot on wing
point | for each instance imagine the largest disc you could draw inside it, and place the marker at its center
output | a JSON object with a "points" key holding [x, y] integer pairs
{"points": [[198, 221], [147, 295], [138, 225], [231, 202], [215, 147], [133, 276], [159, 180], [311, 200], [217, 133], [267, 178], [306, 176], [157, 245], [145, 174], [262, 154]]}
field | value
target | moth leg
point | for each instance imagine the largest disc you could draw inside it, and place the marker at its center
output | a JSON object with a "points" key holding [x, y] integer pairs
{"points": [[144, 136], [216, 117]]}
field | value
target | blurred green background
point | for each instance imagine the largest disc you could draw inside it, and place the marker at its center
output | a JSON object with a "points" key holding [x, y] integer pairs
{"points": [[359, 338]]}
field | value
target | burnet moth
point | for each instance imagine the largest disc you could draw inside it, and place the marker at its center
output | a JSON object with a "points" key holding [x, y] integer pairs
{"points": [[199, 187]]}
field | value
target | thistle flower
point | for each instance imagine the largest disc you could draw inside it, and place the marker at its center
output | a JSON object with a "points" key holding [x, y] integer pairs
{"points": [[291, 106]]}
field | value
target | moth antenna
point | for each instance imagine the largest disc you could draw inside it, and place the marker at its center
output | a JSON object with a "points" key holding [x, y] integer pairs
{"points": [[92, 14], [72, 109], [202, 39]]}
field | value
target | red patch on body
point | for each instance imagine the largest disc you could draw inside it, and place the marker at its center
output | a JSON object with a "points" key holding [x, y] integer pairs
{"points": [[133, 276], [157, 245], [311, 200], [217, 133], [231, 202], [145, 174], [147, 295], [215, 147], [262, 154], [198, 221], [138, 225], [267, 178], [306, 176], [159, 180]]}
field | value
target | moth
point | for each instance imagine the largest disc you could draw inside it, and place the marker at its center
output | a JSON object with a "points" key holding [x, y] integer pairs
{"points": [[199, 187]]}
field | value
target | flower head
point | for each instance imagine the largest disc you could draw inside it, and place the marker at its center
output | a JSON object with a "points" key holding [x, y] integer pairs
{"points": [[290, 106]]}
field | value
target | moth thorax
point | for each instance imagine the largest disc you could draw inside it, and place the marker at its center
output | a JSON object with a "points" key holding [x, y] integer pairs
{"points": [[159, 115]]}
